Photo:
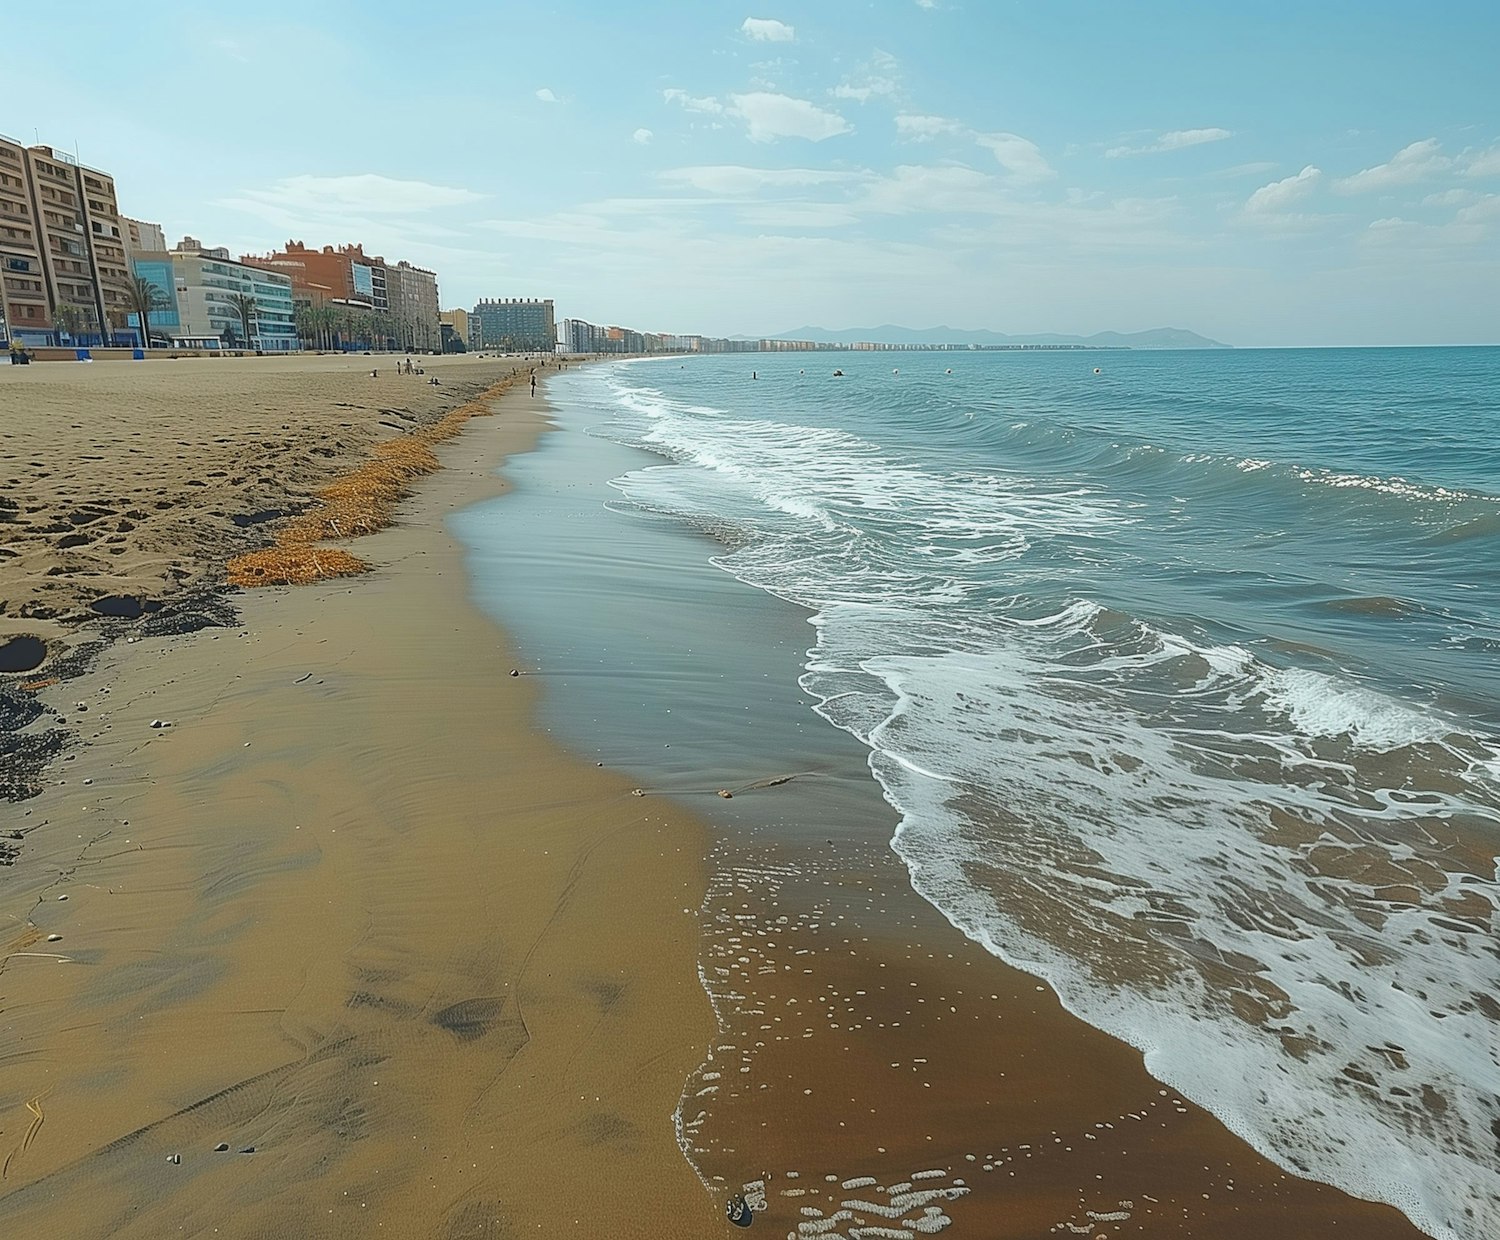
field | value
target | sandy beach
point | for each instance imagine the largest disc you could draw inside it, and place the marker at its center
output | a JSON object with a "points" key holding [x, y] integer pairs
{"points": [[344, 908], [313, 931]]}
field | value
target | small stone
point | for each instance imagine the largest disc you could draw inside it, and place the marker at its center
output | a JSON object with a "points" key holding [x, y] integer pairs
{"points": [[54, 938], [222, 1148], [63, 896], [157, 723], [249, 1149], [513, 672], [637, 792], [174, 1158], [725, 793]]}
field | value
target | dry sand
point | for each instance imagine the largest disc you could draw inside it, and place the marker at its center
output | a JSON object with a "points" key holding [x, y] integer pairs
{"points": [[349, 909], [139, 478]]}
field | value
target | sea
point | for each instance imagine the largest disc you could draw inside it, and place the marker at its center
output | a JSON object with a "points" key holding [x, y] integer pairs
{"points": [[1179, 672]]}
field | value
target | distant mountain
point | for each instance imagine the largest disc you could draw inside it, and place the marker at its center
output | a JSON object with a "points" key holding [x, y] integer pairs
{"points": [[1156, 338]]}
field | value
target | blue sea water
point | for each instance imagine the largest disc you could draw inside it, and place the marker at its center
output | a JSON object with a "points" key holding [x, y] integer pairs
{"points": [[1182, 673]]}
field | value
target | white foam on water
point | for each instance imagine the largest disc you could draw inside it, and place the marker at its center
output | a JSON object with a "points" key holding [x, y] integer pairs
{"points": [[1261, 876], [1285, 956], [1318, 705]]}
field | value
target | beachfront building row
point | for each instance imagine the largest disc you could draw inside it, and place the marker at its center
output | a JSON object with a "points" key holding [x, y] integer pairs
{"points": [[581, 336], [202, 294], [513, 325], [371, 302], [63, 272]]}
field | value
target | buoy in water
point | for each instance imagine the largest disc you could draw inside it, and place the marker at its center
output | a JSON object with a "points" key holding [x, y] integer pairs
{"points": [[1097, 371]]}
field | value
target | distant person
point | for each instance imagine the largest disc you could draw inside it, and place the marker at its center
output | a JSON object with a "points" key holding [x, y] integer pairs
{"points": [[753, 375], [533, 385], [373, 373]]}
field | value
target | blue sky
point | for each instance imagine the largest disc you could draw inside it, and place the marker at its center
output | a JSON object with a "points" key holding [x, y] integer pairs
{"points": [[1273, 174]]}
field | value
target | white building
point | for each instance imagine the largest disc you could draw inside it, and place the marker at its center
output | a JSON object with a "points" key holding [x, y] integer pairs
{"points": [[202, 283]]}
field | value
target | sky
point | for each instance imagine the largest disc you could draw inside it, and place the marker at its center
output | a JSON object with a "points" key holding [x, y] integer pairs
{"points": [[1276, 174]]}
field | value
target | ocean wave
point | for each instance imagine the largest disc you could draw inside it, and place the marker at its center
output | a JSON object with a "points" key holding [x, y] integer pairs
{"points": [[1238, 856]]}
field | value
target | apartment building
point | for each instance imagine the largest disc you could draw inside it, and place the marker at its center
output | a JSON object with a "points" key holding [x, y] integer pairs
{"points": [[412, 294], [63, 272], [516, 324]]}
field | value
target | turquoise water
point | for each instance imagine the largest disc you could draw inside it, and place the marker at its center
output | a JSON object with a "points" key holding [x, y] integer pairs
{"points": [[1183, 678]]}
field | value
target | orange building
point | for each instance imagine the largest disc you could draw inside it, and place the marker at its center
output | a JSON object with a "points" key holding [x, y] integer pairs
{"points": [[346, 274]]}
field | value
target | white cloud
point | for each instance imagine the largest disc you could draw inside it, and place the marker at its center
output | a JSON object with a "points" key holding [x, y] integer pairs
{"points": [[917, 128], [1279, 195], [546, 96], [1173, 140], [876, 78], [366, 194], [771, 116], [915, 188], [864, 92], [643, 136], [1247, 170], [768, 30], [694, 103], [734, 180], [927, 4], [1418, 162], [1485, 211], [1016, 155], [1452, 198], [795, 215], [1485, 164]]}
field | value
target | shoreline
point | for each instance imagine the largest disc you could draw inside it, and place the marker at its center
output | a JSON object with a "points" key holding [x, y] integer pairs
{"points": [[866, 1042], [354, 910]]}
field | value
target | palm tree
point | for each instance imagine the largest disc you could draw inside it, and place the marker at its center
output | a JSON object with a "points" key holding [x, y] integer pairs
{"points": [[144, 297], [305, 318], [328, 321], [66, 318], [243, 304]]}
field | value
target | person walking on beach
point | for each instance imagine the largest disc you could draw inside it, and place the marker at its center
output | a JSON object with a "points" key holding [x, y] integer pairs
{"points": [[533, 385]]}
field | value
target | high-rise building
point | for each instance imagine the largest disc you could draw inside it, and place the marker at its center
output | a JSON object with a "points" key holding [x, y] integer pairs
{"points": [[63, 272], [413, 301], [201, 285], [516, 324]]}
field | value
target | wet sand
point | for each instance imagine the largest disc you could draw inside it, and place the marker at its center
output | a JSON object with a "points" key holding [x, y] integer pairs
{"points": [[877, 1068], [352, 912]]}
